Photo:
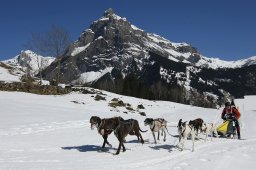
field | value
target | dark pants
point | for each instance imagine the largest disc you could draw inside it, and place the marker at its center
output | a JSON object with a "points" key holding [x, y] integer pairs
{"points": [[237, 126]]}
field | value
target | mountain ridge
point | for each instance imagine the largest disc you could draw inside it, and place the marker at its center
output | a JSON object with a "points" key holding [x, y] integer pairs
{"points": [[27, 62], [127, 60], [28, 59], [114, 55]]}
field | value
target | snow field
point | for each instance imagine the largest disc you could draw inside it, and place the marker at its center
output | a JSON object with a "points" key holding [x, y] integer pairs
{"points": [[52, 132]]}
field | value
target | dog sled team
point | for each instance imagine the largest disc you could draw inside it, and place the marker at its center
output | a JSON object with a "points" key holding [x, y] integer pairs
{"points": [[194, 128]]}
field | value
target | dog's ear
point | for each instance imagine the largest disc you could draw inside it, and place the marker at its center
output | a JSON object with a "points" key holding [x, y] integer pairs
{"points": [[179, 124], [184, 124], [98, 118]]}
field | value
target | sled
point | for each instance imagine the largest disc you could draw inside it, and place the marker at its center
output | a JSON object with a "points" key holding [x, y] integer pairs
{"points": [[227, 128]]}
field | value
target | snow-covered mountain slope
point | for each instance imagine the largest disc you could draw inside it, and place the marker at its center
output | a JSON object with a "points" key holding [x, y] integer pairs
{"points": [[53, 132], [9, 74], [184, 52], [215, 63], [29, 61]]}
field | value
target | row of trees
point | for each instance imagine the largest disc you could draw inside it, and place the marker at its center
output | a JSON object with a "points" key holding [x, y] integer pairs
{"points": [[132, 86]]}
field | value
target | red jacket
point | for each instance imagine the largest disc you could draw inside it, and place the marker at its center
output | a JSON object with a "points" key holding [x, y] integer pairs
{"points": [[232, 111]]}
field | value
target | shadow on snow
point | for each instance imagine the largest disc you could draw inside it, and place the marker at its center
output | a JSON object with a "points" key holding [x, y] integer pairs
{"points": [[165, 146], [90, 148], [86, 148], [136, 141]]}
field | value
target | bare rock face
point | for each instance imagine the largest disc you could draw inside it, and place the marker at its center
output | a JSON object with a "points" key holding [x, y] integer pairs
{"points": [[86, 37], [110, 41]]}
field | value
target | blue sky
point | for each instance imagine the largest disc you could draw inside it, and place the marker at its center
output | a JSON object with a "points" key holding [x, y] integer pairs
{"points": [[221, 28]]}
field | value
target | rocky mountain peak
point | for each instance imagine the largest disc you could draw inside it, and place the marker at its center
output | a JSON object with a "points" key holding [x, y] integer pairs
{"points": [[109, 12], [29, 60], [114, 55]]}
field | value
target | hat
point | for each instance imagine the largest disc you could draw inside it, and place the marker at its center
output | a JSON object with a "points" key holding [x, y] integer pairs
{"points": [[227, 104]]}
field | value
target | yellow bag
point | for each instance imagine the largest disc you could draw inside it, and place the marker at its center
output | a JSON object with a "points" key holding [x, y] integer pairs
{"points": [[223, 127]]}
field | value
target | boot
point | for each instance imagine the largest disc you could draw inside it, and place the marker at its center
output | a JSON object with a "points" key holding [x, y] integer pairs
{"points": [[238, 133]]}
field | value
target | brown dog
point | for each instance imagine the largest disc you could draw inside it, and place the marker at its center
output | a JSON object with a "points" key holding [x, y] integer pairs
{"points": [[105, 126], [131, 127], [197, 124]]}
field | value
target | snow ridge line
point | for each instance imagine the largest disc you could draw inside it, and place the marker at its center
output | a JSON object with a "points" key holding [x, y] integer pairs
{"points": [[43, 127]]}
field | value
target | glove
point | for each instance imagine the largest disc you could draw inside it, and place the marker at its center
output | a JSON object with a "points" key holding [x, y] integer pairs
{"points": [[228, 116]]}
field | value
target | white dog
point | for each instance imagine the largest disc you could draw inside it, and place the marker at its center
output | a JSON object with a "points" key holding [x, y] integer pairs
{"points": [[184, 130], [157, 125], [209, 129]]}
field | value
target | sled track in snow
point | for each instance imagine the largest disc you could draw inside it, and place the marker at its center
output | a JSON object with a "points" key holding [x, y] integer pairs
{"points": [[177, 158]]}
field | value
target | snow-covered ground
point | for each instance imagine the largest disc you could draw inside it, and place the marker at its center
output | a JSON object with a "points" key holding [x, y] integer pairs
{"points": [[53, 132]]}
